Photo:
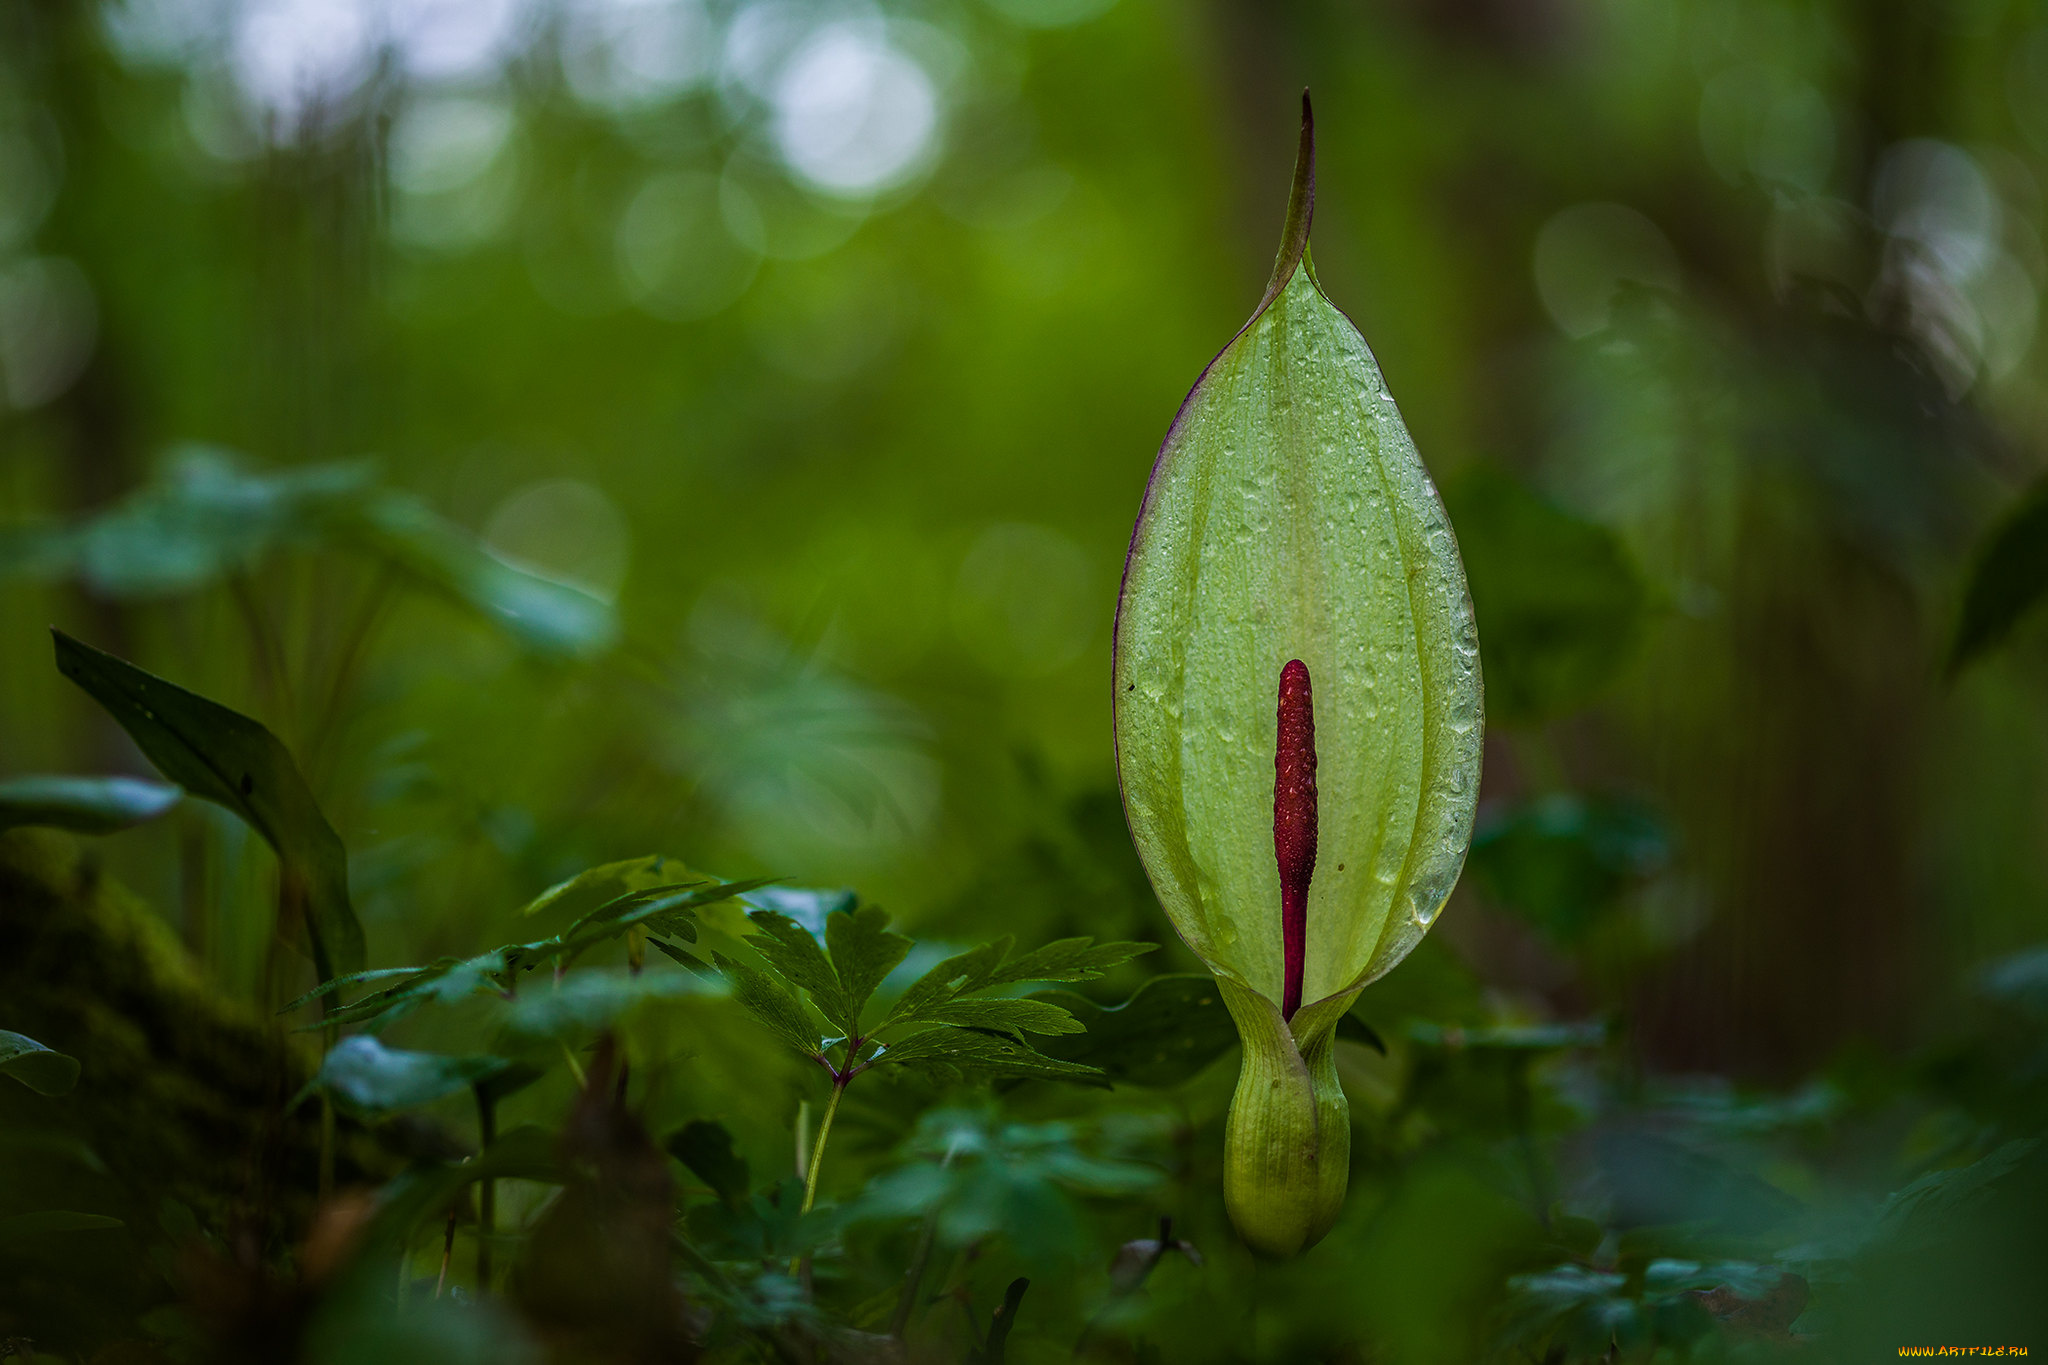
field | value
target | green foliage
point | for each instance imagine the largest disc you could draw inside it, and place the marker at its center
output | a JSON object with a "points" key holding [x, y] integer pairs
{"points": [[2007, 579], [706, 1148], [206, 517], [222, 756], [1172, 1028], [371, 1081], [973, 1175], [664, 911], [88, 805], [1564, 861], [943, 1024], [1560, 603], [39, 1068]]}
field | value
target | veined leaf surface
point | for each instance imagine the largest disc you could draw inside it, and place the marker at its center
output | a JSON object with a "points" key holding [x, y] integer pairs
{"points": [[1289, 517]]}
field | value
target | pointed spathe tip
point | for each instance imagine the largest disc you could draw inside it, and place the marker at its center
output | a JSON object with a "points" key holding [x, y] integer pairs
{"points": [[1301, 208]]}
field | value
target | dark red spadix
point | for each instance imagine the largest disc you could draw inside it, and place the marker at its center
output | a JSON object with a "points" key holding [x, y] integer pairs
{"points": [[1294, 823]]}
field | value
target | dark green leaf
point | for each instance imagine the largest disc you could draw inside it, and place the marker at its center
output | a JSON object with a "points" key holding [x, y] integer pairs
{"points": [[89, 805], [1170, 1029], [705, 1147], [527, 1152], [2008, 579], [1356, 1030], [1561, 606], [373, 1082], [771, 1002], [444, 982], [797, 957], [863, 952], [1067, 959], [1009, 1016], [223, 756], [960, 973], [965, 1053], [35, 1066], [601, 883], [24, 1227]]}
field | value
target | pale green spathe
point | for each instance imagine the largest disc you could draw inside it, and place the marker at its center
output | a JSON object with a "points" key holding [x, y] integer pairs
{"points": [[1290, 517]]}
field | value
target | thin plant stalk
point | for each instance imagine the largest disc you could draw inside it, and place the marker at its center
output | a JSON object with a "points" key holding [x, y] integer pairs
{"points": [[486, 1188]]}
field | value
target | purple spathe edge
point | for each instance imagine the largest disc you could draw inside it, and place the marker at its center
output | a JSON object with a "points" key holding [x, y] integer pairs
{"points": [[1301, 205]]}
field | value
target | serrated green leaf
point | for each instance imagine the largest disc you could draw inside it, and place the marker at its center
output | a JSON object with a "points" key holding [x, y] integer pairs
{"points": [[41, 1069], [771, 1002], [87, 805], [863, 952], [222, 756], [965, 1053], [1067, 959], [373, 1082], [957, 974], [343, 982], [1027, 1016], [443, 982], [606, 880], [1170, 1029], [798, 958]]}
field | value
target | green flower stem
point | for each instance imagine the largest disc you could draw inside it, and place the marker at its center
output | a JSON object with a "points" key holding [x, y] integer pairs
{"points": [[818, 1147], [797, 1266]]}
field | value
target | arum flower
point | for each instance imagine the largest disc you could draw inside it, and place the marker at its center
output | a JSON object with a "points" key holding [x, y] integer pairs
{"points": [[1298, 713]]}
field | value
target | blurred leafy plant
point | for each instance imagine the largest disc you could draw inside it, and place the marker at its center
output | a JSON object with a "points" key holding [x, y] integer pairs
{"points": [[2006, 581], [1560, 603], [208, 518], [814, 997], [1564, 861], [84, 805]]}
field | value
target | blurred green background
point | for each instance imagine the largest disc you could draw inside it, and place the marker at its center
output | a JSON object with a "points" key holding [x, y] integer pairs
{"points": [[822, 350]]}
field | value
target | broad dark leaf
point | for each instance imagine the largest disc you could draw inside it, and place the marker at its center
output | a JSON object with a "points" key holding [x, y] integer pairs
{"points": [[88, 805], [222, 756], [705, 1147], [373, 1082], [2006, 582], [41, 1069], [1169, 1030], [1561, 606]]}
